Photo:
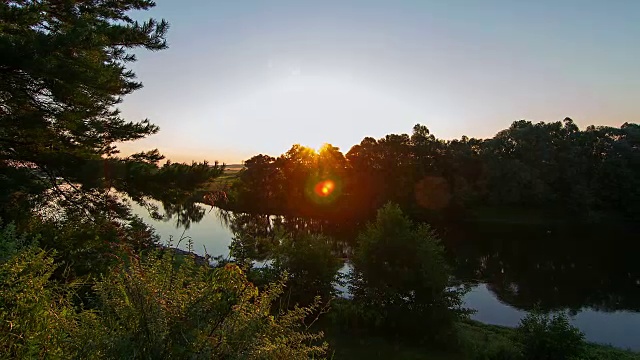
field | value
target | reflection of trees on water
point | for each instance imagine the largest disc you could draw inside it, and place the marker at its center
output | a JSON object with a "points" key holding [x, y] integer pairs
{"points": [[183, 212], [254, 235], [523, 267], [566, 270]]}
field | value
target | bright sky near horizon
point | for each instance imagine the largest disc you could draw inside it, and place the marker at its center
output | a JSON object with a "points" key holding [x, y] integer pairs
{"points": [[248, 77]]}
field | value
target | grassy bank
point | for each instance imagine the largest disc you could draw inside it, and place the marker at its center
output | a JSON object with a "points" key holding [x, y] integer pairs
{"points": [[478, 341]]}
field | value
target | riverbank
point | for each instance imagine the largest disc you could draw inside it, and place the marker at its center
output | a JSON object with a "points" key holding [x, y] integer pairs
{"points": [[478, 341]]}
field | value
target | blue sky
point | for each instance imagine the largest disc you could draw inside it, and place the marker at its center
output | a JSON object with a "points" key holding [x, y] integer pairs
{"points": [[248, 77]]}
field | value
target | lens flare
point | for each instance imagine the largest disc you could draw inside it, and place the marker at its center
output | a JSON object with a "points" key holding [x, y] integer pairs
{"points": [[324, 188]]}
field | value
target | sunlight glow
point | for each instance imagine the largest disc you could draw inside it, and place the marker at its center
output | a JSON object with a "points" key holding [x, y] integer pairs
{"points": [[324, 188], [311, 109]]}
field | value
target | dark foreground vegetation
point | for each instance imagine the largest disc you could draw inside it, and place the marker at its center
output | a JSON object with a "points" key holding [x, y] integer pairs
{"points": [[82, 277]]}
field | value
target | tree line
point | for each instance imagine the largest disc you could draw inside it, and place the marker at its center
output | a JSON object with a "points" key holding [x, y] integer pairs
{"points": [[548, 170]]}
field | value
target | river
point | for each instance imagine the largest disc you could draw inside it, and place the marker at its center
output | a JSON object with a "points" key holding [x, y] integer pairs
{"points": [[596, 281]]}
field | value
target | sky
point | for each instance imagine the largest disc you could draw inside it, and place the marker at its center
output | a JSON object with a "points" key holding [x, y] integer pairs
{"points": [[247, 77]]}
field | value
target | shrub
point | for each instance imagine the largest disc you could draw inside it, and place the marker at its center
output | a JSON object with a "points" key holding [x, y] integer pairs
{"points": [[400, 282], [37, 319], [155, 307], [549, 337], [11, 241], [253, 239], [310, 265], [87, 246], [148, 308]]}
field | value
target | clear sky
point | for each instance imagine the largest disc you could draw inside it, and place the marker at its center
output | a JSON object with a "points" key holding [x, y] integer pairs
{"points": [[248, 77]]}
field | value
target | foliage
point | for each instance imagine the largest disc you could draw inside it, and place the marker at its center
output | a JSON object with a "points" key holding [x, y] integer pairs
{"points": [[154, 307], [400, 281], [475, 341], [62, 74], [553, 169], [89, 246], [285, 247], [11, 241], [604, 352], [285, 185], [150, 308], [487, 342], [546, 337], [37, 319], [482, 341], [253, 238], [310, 265]]}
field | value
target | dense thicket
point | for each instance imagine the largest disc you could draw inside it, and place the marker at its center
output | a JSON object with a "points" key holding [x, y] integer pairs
{"points": [[552, 169], [152, 307]]}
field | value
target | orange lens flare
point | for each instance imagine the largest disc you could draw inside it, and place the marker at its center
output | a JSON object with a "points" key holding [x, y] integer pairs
{"points": [[324, 188]]}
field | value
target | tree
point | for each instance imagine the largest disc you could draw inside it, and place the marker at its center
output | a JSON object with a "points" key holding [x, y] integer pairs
{"points": [[311, 267], [400, 280], [63, 71], [259, 184], [297, 166]]}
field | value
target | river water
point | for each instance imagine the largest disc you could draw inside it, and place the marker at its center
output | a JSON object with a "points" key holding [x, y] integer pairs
{"points": [[596, 281]]}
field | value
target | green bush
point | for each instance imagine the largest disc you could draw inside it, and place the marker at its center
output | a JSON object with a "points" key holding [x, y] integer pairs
{"points": [[148, 307], [154, 307], [11, 241], [400, 283], [549, 337], [307, 259], [90, 246], [310, 265], [37, 319]]}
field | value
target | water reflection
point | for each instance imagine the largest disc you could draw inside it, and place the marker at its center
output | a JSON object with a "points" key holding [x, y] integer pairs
{"points": [[559, 269], [209, 234], [181, 214], [254, 234], [618, 328], [593, 273]]}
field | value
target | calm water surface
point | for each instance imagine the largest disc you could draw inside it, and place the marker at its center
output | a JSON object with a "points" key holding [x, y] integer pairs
{"points": [[599, 285]]}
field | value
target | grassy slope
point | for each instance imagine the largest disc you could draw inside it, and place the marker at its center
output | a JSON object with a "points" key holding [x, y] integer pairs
{"points": [[223, 181], [477, 338]]}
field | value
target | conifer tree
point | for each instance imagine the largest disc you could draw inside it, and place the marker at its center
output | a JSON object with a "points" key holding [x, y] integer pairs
{"points": [[63, 72]]}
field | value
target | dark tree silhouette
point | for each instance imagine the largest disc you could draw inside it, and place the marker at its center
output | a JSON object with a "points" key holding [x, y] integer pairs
{"points": [[63, 71], [528, 172]]}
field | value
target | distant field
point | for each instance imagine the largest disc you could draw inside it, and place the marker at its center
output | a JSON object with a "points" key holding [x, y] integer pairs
{"points": [[228, 177], [233, 167]]}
